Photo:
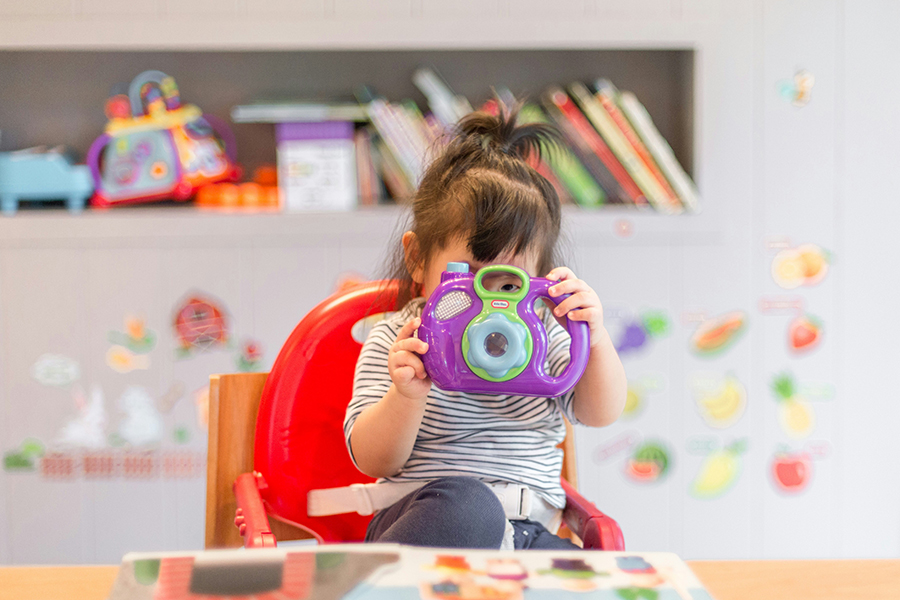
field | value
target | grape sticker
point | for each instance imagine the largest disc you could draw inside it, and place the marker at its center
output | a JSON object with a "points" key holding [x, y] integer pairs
{"points": [[719, 471], [653, 324], [650, 462], [805, 265], [795, 413], [791, 471], [721, 400], [714, 336]]}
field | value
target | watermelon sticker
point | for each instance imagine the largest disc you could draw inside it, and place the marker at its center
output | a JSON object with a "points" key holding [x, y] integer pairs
{"points": [[648, 463], [714, 336]]}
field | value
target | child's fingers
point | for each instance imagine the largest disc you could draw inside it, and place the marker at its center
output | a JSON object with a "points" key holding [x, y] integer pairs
{"points": [[409, 328], [568, 286], [584, 314], [404, 359], [404, 375], [411, 344], [560, 274], [575, 301]]}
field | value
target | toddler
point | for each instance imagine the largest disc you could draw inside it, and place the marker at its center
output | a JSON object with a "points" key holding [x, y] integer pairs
{"points": [[476, 470]]}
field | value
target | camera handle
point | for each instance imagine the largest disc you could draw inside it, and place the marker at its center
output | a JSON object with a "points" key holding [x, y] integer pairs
{"points": [[579, 352]]}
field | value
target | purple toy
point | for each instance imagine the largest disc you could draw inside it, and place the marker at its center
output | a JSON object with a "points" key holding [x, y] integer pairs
{"points": [[492, 341]]}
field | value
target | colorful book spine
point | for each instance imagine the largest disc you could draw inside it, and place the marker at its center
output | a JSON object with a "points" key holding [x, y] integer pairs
{"points": [[367, 177], [660, 150], [547, 173], [585, 191], [618, 144], [447, 107], [586, 144], [395, 180], [632, 193], [396, 137], [607, 94]]}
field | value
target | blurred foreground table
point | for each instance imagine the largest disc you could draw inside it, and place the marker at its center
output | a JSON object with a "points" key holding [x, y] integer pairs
{"points": [[725, 580]]}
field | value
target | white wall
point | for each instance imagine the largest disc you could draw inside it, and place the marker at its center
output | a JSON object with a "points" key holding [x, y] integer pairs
{"points": [[769, 173]]}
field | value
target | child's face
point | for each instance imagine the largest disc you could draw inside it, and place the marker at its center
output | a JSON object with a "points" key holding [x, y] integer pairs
{"points": [[457, 250]]}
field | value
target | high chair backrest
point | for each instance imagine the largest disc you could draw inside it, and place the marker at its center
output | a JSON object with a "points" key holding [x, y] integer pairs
{"points": [[299, 443]]}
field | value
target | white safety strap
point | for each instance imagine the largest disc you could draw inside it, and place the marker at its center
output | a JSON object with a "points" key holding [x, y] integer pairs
{"points": [[518, 501]]}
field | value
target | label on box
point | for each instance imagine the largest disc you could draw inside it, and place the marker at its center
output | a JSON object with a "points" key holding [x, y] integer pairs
{"points": [[317, 174]]}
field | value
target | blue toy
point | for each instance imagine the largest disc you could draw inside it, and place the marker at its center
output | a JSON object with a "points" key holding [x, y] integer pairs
{"points": [[42, 175]]}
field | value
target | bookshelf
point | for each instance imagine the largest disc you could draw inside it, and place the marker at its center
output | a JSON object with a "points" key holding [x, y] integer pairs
{"points": [[216, 81]]}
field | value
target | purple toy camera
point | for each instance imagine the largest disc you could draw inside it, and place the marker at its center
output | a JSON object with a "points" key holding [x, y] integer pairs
{"points": [[484, 336]]}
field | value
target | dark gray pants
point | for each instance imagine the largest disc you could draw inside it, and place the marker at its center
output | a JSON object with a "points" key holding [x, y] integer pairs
{"points": [[457, 512]]}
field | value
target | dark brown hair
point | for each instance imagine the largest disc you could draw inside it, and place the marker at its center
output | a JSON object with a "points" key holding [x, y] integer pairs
{"points": [[482, 188]]}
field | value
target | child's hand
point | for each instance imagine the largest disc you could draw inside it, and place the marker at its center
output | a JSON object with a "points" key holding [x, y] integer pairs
{"points": [[405, 366], [582, 305]]}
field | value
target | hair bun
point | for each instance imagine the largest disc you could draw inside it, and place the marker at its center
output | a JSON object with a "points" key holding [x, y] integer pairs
{"points": [[501, 132]]}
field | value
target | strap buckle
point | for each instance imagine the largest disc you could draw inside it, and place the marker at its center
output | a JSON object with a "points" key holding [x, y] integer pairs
{"points": [[515, 499]]}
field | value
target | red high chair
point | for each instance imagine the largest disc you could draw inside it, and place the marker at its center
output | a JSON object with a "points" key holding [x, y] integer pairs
{"points": [[292, 418]]}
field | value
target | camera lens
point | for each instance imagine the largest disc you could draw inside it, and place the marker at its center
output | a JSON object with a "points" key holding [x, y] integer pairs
{"points": [[495, 344]]}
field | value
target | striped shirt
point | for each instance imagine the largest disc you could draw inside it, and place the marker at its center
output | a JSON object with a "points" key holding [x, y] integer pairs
{"points": [[497, 439]]}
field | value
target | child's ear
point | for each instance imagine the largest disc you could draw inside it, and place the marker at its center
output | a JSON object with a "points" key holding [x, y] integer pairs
{"points": [[414, 264]]}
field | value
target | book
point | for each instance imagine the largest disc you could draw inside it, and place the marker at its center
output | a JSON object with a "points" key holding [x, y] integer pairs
{"points": [[584, 190], [629, 191], [447, 106], [381, 571], [367, 178], [298, 112], [398, 186], [623, 151], [554, 100], [607, 94], [659, 148], [547, 173], [399, 138]]}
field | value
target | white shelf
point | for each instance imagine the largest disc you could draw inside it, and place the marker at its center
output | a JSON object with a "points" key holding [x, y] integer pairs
{"points": [[185, 226]]}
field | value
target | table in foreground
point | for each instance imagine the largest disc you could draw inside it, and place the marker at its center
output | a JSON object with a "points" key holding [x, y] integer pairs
{"points": [[725, 580]]}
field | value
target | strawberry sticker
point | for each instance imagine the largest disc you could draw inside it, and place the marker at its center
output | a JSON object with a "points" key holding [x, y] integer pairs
{"points": [[804, 333]]}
